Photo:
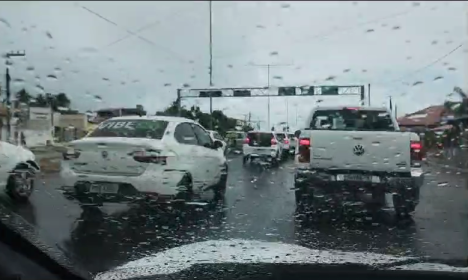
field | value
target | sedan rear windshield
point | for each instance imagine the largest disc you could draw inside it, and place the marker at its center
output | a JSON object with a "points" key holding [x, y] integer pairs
{"points": [[153, 129], [263, 138], [352, 119]]}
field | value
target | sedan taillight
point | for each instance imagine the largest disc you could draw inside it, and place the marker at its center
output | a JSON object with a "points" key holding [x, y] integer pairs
{"points": [[149, 157]]}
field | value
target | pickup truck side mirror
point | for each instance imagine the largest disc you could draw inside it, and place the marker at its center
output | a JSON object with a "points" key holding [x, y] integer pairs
{"points": [[297, 133]]}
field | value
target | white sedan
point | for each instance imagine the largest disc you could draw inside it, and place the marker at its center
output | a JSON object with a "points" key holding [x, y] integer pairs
{"points": [[18, 169], [163, 159]]}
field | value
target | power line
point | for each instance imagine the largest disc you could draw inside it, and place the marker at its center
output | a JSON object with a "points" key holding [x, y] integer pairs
{"points": [[174, 54], [428, 65], [148, 26], [326, 34]]}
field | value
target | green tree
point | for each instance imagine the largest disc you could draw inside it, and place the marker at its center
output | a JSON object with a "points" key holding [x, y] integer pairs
{"points": [[23, 96], [41, 100], [221, 122], [62, 100]]}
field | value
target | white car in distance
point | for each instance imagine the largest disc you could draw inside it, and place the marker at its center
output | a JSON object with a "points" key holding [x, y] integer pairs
{"points": [[262, 145], [161, 159], [18, 169]]}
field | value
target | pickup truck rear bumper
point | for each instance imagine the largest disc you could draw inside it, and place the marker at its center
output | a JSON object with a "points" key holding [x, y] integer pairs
{"points": [[327, 184]]}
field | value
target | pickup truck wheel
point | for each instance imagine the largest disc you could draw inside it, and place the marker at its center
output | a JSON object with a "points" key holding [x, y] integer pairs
{"points": [[20, 184]]}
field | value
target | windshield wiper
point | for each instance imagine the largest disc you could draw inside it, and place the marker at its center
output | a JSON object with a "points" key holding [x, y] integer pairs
{"points": [[459, 263]]}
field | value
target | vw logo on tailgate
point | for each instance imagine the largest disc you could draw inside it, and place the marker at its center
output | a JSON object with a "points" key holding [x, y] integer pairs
{"points": [[358, 150], [104, 154]]}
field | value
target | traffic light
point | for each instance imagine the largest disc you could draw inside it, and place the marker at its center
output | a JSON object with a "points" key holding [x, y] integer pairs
{"points": [[307, 90], [286, 91], [330, 90], [215, 93], [241, 93]]}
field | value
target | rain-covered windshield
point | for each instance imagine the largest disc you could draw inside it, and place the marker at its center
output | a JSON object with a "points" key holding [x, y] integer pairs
{"points": [[146, 126]]}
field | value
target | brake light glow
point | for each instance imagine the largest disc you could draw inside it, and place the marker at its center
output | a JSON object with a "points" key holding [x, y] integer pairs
{"points": [[416, 145], [273, 141], [417, 151], [351, 108], [304, 142], [246, 141], [286, 141]]}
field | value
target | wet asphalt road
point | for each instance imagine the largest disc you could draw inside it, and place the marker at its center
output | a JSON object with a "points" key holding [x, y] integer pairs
{"points": [[259, 205]]}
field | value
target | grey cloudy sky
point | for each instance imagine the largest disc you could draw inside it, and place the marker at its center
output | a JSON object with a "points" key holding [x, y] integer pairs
{"points": [[391, 45]]}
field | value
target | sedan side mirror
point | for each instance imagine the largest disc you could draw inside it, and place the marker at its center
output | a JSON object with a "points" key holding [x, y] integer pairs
{"points": [[297, 133], [217, 144]]}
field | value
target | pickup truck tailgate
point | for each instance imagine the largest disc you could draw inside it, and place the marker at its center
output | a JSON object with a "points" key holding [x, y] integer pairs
{"points": [[360, 150]]}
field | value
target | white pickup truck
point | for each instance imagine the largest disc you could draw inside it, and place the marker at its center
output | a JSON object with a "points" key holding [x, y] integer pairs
{"points": [[356, 154]]}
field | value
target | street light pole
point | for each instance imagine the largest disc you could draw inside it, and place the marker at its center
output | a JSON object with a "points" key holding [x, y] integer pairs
{"points": [[10, 106], [268, 81]]}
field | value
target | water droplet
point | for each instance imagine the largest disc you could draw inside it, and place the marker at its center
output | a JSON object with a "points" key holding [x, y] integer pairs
{"points": [[5, 22], [273, 53], [396, 27], [438, 78], [52, 77], [167, 84], [451, 68], [417, 83], [370, 30], [285, 5], [49, 35]]}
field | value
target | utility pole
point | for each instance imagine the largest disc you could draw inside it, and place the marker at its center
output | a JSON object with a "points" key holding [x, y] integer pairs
{"points": [[268, 66], [368, 94], [10, 106], [211, 62]]}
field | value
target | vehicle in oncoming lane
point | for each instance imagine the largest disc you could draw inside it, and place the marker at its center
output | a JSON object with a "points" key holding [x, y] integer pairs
{"points": [[162, 159], [262, 145], [357, 154]]}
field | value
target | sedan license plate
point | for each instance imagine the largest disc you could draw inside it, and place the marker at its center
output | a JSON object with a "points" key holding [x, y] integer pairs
{"points": [[357, 178], [104, 188]]}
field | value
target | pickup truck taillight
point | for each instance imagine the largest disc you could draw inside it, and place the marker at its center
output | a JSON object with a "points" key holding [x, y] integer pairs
{"points": [[246, 141], [273, 141], [304, 150], [417, 152]]}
